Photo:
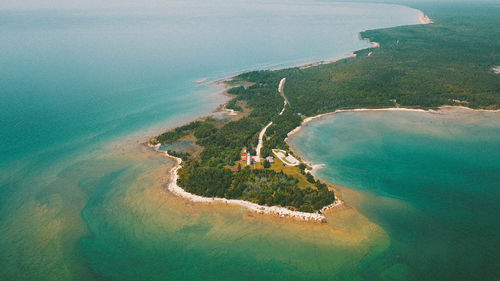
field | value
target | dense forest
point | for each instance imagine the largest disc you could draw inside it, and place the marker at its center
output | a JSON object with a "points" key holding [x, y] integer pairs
{"points": [[210, 174], [449, 62]]}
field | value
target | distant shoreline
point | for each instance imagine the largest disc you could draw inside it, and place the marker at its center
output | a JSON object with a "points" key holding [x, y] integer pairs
{"points": [[440, 109], [423, 18]]}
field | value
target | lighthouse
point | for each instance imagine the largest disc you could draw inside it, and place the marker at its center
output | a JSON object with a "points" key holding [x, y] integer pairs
{"points": [[249, 159]]}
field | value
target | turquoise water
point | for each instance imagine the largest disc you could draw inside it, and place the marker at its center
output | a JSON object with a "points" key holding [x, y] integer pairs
{"points": [[90, 74], [432, 181], [81, 87]]}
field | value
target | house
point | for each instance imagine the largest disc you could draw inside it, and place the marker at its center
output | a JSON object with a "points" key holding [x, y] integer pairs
{"points": [[235, 170], [244, 154], [270, 159]]}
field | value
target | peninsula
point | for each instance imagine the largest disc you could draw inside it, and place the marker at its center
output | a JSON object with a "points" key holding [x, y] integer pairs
{"points": [[246, 157], [236, 159]]}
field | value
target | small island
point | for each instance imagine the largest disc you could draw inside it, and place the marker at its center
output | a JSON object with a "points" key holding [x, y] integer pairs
{"points": [[245, 156]]}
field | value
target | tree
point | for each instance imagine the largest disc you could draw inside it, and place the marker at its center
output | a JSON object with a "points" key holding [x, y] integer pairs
{"points": [[302, 168], [310, 178], [266, 164]]}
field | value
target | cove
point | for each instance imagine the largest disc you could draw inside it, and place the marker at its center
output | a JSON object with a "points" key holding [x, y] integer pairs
{"points": [[430, 179]]}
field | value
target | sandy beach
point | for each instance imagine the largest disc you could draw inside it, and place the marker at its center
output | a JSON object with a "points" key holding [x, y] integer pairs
{"points": [[442, 108], [316, 166], [350, 55], [309, 119], [423, 18]]}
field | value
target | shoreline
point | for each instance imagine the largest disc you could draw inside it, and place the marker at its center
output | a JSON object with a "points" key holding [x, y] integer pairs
{"points": [[328, 61], [299, 63], [316, 166], [422, 19], [225, 85], [309, 119], [441, 108], [282, 212]]}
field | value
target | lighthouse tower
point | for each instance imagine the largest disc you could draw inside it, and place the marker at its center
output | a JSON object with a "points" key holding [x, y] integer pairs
{"points": [[249, 159]]}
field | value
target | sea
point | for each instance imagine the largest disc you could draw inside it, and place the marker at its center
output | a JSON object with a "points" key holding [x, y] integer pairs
{"points": [[431, 180], [84, 84]]}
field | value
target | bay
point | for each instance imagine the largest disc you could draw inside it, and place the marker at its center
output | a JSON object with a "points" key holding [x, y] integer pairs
{"points": [[430, 180]]}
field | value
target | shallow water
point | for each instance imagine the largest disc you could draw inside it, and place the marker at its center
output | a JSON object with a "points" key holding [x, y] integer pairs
{"points": [[125, 226], [431, 181], [81, 199]]}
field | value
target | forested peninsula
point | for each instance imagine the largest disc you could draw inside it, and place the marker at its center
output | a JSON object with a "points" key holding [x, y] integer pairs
{"points": [[449, 62]]}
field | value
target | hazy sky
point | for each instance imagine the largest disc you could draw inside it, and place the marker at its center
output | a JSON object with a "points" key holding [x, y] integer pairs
{"points": [[51, 4]]}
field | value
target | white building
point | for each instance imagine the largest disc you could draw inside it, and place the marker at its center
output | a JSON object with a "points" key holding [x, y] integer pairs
{"points": [[287, 160]]}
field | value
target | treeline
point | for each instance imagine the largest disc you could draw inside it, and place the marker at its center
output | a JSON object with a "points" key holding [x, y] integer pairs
{"points": [[183, 155], [233, 104], [278, 131], [177, 133], [264, 187], [208, 175], [223, 147], [448, 62]]}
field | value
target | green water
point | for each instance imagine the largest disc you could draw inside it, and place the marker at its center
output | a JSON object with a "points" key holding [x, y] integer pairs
{"points": [[82, 84], [81, 199], [116, 221], [431, 181]]}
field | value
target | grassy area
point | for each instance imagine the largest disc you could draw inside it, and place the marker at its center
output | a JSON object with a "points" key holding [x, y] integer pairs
{"points": [[278, 166]]}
